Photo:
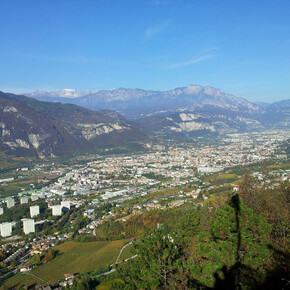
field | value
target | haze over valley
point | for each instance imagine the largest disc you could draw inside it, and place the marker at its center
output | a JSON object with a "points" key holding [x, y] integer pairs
{"points": [[182, 113]]}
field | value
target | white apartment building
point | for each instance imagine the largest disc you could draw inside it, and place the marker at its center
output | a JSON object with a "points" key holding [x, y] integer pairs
{"points": [[6, 229], [57, 210], [24, 199], [10, 202], [34, 197], [34, 210], [65, 204], [28, 226]]}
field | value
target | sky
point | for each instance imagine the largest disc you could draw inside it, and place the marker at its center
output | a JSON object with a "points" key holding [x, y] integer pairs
{"points": [[240, 47]]}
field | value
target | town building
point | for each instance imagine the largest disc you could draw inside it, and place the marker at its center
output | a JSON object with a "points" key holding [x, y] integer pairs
{"points": [[65, 205], [34, 211], [6, 229], [28, 226], [24, 199], [209, 169], [56, 210], [10, 202], [5, 180], [34, 197]]}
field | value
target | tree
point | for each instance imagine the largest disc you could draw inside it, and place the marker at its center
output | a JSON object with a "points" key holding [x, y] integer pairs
{"points": [[13, 264], [237, 237], [158, 264], [50, 255], [189, 222], [2, 256], [273, 203]]}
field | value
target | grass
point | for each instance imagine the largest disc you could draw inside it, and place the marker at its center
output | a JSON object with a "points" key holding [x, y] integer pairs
{"points": [[162, 192], [227, 176], [21, 280], [126, 253], [219, 179], [104, 285], [74, 258], [9, 190], [279, 166], [17, 185]]}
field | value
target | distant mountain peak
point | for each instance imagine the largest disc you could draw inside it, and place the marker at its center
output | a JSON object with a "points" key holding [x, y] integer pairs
{"points": [[135, 103], [64, 93], [31, 127]]}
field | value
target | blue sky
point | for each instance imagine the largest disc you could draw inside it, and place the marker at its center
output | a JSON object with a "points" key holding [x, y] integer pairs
{"points": [[241, 47]]}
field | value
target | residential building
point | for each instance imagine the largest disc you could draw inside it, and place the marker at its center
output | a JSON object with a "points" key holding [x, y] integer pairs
{"points": [[28, 226], [34, 197], [6, 229], [56, 210], [10, 202], [24, 199], [34, 211], [65, 204]]}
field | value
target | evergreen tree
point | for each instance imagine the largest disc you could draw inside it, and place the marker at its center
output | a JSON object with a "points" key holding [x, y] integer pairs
{"points": [[237, 237], [158, 264]]}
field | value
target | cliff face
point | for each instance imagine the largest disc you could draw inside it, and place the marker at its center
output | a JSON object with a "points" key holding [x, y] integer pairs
{"points": [[31, 127]]}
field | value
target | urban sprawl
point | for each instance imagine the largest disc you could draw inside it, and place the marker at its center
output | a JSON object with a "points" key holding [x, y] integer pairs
{"points": [[126, 182]]}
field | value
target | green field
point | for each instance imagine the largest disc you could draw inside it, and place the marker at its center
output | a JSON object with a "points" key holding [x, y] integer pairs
{"points": [[74, 258], [126, 253], [104, 286], [221, 178], [21, 279], [227, 176]]}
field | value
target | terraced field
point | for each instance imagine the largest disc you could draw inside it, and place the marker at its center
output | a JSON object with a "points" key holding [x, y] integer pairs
{"points": [[75, 258]]}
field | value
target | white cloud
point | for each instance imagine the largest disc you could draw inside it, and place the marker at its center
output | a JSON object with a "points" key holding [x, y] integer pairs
{"points": [[189, 62], [156, 29]]}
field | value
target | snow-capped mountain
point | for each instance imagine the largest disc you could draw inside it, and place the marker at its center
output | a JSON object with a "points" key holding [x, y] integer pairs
{"points": [[136, 103], [65, 93], [170, 113]]}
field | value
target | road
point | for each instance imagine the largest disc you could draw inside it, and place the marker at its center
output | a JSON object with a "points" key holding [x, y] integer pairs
{"points": [[121, 251], [117, 260]]}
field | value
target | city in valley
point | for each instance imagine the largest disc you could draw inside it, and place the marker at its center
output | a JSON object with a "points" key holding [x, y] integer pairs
{"points": [[48, 202]]}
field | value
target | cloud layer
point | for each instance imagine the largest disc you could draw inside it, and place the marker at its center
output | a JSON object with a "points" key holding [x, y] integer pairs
{"points": [[156, 29], [189, 61]]}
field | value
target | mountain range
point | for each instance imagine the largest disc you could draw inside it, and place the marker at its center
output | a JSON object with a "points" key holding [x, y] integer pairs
{"points": [[181, 112], [137, 103], [31, 127], [66, 121]]}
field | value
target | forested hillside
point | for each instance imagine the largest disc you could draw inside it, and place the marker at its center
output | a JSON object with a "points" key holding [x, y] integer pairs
{"points": [[241, 242]]}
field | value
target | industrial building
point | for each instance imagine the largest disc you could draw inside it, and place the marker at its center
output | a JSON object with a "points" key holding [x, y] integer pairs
{"points": [[34, 210], [28, 226], [209, 169]]}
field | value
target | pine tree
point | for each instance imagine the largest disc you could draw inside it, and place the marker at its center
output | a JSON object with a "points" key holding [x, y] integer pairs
{"points": [[158, 264], [237, 236]]}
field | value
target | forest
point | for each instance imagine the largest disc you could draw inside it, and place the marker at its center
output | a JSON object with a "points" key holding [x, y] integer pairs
{"points": [[238, 242]]}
